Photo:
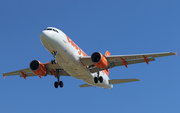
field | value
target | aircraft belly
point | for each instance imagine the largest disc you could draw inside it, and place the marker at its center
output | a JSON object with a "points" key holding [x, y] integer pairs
{"points": [[78, 71]]}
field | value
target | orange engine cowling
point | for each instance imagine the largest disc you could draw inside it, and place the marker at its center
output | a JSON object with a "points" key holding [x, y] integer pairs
{"points": [[38, 68], [99, 60]]}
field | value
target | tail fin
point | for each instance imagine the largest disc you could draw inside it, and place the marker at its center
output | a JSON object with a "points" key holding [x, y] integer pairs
{"points": [[107, 53], [107, 70]]}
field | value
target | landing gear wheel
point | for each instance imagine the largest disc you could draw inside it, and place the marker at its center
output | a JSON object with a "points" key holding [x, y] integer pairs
{"points": [[52, 61], [54, 56], [56, 84], [96, 80], [61, 84], [101, 79]]}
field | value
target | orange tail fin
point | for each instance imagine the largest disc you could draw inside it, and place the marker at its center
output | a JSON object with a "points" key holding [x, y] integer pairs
{"points": [[107, 70]]}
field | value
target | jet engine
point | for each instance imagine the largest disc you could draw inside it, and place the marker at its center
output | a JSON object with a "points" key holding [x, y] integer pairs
{"points": [[99, 60], [38, 68]]}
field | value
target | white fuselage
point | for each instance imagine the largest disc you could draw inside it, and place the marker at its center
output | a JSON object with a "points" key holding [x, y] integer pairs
{"points": [[68, 54]]}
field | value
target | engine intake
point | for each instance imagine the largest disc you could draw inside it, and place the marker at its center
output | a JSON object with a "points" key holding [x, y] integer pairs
{"points": [[99, 60], [38, 68]]}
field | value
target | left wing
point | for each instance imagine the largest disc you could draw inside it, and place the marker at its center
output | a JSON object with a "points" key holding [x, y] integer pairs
{"points": [[27, 72], [119, 60]]}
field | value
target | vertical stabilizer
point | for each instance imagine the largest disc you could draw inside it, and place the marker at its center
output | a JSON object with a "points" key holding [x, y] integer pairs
{"points": [[107, 70]]}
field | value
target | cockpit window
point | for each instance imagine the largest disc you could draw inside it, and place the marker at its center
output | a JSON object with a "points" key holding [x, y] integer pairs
{"points": [[52, 29], [55, 30], [48, 29]]}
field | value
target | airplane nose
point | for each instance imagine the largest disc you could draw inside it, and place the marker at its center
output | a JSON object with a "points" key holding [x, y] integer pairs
{"points": [[46, 35], [43, 35]]}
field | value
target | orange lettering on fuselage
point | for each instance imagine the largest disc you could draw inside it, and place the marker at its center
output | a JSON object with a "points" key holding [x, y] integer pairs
{"points": [[76, 47], [69, 40]]}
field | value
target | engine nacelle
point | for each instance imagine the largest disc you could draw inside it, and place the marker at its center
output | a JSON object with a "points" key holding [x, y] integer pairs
{"points": [[38, 68], [99, 60]]}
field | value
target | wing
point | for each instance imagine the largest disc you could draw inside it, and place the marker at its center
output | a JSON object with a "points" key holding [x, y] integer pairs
{"points": [[119, 60], [27, 72]]}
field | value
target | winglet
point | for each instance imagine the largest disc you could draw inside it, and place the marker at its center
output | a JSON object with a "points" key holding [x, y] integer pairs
{"points": [[107, 53], [176, 54], [4, 76]]}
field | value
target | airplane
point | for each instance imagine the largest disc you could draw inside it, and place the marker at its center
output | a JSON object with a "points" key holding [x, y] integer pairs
{"points": [[70, 60]]}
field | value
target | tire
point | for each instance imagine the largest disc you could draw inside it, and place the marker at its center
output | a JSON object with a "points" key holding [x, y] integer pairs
{"points": [[56, 84], [95, 80], [101, 79], [55, 61], [52, 61], [61, 84]]}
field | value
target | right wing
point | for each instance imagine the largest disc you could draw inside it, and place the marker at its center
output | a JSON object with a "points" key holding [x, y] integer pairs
{"points": [[119, 60], [28, 72]]}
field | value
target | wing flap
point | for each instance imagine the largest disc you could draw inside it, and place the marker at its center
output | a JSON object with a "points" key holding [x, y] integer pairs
{"points": [[130, 62], [27, 70], [28, 75], [113, 64], [119, 81], [138, 56]]}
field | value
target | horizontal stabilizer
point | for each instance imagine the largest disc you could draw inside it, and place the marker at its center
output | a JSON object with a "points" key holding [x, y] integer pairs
{"points": [[85, 85], [119, 81]]}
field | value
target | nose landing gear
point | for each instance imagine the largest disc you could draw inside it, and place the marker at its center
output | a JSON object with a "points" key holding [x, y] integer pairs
{"points": [[54, 61]]}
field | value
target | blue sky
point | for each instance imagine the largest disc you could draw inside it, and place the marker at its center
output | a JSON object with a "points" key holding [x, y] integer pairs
{"points": [[120, 26]]}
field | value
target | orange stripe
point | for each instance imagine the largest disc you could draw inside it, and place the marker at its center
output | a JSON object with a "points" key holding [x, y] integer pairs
{"points": [[107, 70], [145, 59], [23, 74], [124, 62], [53, 73]]}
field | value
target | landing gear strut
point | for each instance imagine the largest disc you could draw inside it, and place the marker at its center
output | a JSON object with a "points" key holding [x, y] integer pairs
{"points": [[54, 61], [60, 83], [98, 78]]}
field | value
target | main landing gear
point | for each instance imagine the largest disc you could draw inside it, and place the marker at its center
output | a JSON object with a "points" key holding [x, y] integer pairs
{"points": [[54, 61], [58, 83], [98, 78]]}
